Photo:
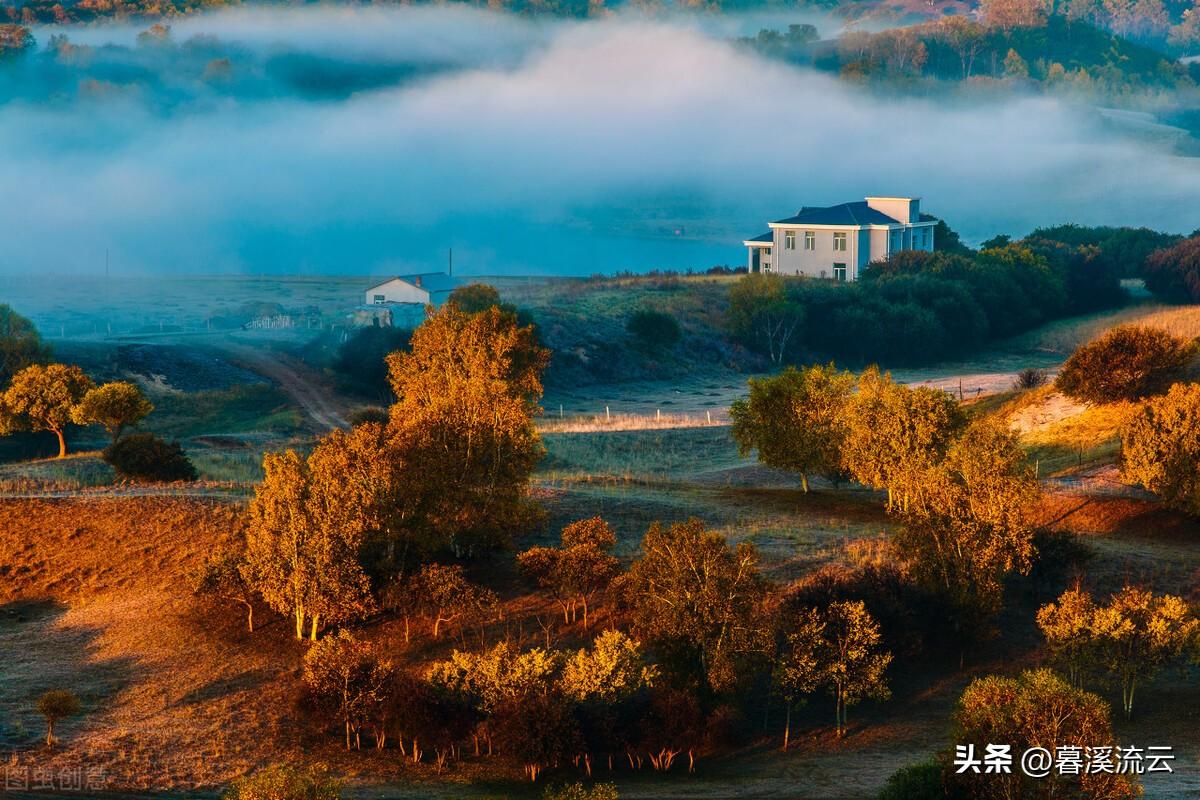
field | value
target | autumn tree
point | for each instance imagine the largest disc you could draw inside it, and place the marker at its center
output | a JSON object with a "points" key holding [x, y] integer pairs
{"points": [[895, 434], [967, 39], [345, 671], [1126, 363], [1034, 709], [20, 344], [43, 398], [1138, 632], [851, 657], [307, 524], [462, 431], [763, 315], [1010, 14], [699, 600], [113, 406], [574, 572], [504, 673], [55, 706], [538, 730], [604, 681], [1173, 273], [222, 577], [799, 668], [611, 670], [973, 526], [444, 594], [795, 420], [1067, 626], [14, 40], [1160, 447]]}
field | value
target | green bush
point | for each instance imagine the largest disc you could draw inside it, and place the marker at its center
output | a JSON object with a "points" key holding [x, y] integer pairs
{"points": [[146, 457], [654, 329], [915, 782], [1127, 363], [285, 782]]}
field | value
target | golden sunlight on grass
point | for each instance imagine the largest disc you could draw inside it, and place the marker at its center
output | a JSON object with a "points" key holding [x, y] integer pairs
{"points": [[631, 422]]}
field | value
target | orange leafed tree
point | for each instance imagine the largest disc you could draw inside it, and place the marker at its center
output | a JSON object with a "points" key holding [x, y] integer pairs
{"points": [[462, 432], [307, 525]]}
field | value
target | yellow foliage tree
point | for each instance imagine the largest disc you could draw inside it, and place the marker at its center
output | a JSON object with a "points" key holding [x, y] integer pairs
{"points": [[895, 434], [307, 524], [113, 406], [462, 430], [43, 398]]}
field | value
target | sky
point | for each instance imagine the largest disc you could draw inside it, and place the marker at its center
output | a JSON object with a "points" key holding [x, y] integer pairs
{"points": [[527, 147]]}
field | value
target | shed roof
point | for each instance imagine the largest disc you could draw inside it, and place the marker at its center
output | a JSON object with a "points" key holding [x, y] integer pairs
{"points": [[432, 282]]}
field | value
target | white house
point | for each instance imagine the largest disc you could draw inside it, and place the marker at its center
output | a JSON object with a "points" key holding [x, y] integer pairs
{"points": [[427, 288], [401, 301], [838, 241]]}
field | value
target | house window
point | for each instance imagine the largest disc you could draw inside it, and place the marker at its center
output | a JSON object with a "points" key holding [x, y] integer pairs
{"points": [[810, 240], [380, 299], [839, 272], [789, 240], [839, 242]]}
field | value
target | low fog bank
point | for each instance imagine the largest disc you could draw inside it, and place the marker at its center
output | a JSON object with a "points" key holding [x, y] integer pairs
{"points": [[528, 147]]}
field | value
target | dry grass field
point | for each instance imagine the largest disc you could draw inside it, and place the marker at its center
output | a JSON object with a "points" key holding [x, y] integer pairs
{"points": [[176, 695]]}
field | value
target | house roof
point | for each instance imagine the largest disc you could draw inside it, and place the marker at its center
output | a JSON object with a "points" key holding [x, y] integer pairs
{"points": [[763, 237], [858, 213], [432, 282]]}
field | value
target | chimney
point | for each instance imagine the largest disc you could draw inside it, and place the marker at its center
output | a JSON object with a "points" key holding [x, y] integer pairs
{"points": [[417, 281], [903, 209]]}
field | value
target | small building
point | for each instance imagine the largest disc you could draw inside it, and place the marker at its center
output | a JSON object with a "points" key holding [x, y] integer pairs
{"points": [[400, 301], [426, 288], [836, 242]]}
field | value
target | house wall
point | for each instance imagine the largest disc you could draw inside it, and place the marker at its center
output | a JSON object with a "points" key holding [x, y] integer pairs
{"points": [[813, 263], [397, 291]]}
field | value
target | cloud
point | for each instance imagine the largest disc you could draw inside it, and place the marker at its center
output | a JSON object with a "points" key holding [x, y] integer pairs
{"points": [[545, 147]]}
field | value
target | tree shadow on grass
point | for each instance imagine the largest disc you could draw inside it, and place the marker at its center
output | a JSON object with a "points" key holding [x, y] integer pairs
{"points": [[39, 652]]}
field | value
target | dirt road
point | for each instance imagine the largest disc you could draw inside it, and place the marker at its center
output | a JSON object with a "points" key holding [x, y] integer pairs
{"points": [[316, 400]]}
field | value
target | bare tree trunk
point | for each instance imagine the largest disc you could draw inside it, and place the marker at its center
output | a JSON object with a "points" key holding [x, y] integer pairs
{"points": [[312, 634], [62, 443], [787, 727]]}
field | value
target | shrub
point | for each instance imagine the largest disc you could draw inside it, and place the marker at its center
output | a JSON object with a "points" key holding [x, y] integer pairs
{"points": [[146, 457], [578, 791], [1128, 362], [921, 781], [1161, 446], [654, 329], [285, 782], [54, 706], [1030, 378], [1037, 708]]}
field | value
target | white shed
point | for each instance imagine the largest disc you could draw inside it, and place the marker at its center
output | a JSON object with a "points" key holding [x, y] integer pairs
{"points": [[427, 288]]}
